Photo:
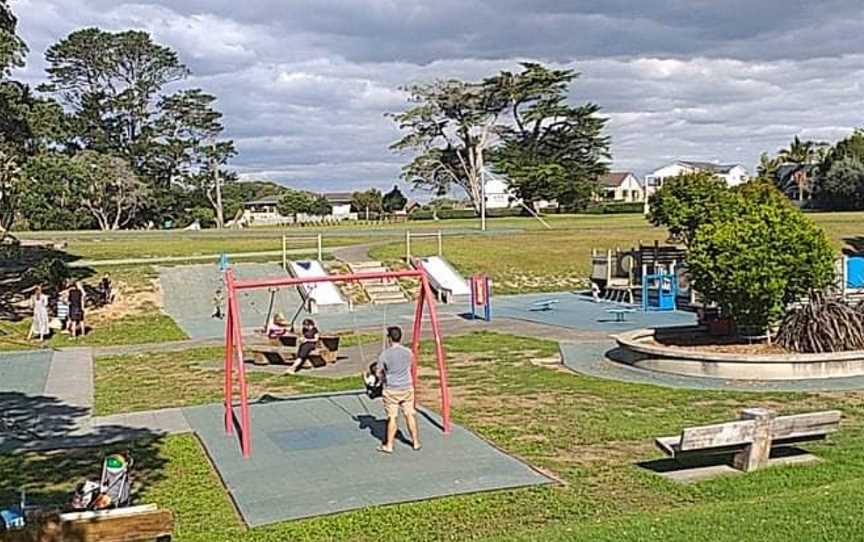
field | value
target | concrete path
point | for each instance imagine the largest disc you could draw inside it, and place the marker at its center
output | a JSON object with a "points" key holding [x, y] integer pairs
{"points": [[70, 378]]}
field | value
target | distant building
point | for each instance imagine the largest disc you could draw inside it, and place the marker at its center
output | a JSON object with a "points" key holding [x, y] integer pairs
{"points": [[733, 174], [264, 212], [341, 203], [621, 186], [498, 194]]}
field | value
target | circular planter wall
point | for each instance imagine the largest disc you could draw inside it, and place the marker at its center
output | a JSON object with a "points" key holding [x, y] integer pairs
{"points": [[648, 354]]}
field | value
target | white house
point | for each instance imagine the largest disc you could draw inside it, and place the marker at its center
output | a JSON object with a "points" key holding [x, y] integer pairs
{"points": [[620, 186], [733, 174], [498, 195]]}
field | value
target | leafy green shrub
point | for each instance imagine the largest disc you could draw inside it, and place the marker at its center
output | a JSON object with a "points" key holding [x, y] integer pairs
{"points": [[687, 201], [758, 257]]}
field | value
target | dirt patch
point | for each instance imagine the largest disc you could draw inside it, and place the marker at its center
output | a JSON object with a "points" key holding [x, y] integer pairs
{"points": [[129, 301], [727, 345]]}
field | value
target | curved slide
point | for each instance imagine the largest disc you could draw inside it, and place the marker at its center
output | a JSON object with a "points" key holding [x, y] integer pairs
{"points": [[443, 277], [325, 294]]}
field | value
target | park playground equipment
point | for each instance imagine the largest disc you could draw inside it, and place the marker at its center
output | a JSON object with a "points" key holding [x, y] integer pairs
{"points": [[316, 296], [445, 280], [235, 372], [851, 276], [481, 296], [660, 290], [622, 274]]}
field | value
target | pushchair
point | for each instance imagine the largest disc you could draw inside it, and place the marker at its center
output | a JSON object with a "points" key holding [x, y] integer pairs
{"points": [[112, 491]]}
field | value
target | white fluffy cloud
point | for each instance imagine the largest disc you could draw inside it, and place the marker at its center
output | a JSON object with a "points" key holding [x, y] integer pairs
{"points": [[304, 84]]}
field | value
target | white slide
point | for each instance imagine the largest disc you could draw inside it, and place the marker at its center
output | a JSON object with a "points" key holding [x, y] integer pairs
{"points": [[443, 277], [325, 294]]}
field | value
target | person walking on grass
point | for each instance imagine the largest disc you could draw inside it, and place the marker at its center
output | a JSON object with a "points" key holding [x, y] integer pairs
{"points": [[39, 327], [394, 369], [76, 309]]}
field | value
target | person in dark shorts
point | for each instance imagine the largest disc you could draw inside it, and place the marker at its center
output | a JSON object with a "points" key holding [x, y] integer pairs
{"points": [[395, 368], [76, 309], [308, 342]]}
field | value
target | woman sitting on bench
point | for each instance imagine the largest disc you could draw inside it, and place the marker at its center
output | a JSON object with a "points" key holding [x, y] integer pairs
{"points": [[308, 343]]}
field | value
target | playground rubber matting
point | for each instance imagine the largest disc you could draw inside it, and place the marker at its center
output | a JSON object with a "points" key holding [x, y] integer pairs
{"points": [[316, 455], [25, 372], [189, 292], [575, 311]]}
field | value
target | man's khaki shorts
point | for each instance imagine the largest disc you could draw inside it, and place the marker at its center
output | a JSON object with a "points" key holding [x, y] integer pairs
{"points": [[396, 399]]}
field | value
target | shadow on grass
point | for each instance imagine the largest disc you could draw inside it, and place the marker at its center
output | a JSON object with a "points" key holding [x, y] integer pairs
{"points": [[42, 453], [18, 277]]}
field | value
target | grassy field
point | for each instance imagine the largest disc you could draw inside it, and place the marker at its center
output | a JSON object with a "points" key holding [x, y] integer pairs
{"points": [[587, 432], [192, 377], [560, 259]]}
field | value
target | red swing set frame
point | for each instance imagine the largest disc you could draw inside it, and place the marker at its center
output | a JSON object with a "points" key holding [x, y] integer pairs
{"points": [[234, 365]]}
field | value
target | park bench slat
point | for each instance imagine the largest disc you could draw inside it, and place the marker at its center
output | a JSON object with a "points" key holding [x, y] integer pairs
{"points": [[719, 435], [802, 426]]}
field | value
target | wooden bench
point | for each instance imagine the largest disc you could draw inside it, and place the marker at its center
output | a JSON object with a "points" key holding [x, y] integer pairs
{"points": [[284, 349], [751, 438], [130, 524]]}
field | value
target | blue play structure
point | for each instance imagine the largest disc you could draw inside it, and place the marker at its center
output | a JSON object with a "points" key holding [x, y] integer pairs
{"points": [[855, 272], [660, 291]]}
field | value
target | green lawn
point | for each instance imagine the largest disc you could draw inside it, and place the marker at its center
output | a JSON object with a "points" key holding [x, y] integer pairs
{"points": [[587, 432], [192, 377]]}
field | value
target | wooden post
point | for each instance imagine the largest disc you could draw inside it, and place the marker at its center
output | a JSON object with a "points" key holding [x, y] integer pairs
{"points": [[284, 253], [440, 244], [408, 246], [320, 247], [756, 455]]}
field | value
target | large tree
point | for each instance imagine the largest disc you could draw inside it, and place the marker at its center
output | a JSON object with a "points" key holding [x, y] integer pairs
{"points": [[12, 187], [552, 150], [186, 151], [522, 122], [55, 186], [450, 129], [394, 200], [112, 81], [12, 47], [115, 85], [110, 189], [368, 202]]}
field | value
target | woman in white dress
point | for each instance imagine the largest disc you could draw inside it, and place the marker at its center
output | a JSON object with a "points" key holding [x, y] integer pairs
{"points": [[39, 327]]}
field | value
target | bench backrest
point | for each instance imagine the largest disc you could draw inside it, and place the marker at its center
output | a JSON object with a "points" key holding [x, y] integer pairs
{"points": [[737, 433], [801, 426], [718, 435]]}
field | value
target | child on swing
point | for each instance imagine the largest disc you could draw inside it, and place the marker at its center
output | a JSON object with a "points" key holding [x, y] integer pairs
{"points": [[309, 336]]}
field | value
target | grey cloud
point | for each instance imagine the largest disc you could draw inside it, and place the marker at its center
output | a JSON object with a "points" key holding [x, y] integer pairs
{"points": [[304, 84]]}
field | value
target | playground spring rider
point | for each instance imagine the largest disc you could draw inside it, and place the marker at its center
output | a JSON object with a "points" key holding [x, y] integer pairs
{"points": [[481, 296], [660, 291]]}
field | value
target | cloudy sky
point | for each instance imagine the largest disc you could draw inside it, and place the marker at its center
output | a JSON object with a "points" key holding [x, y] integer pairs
{"points": [[304, 84]]}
